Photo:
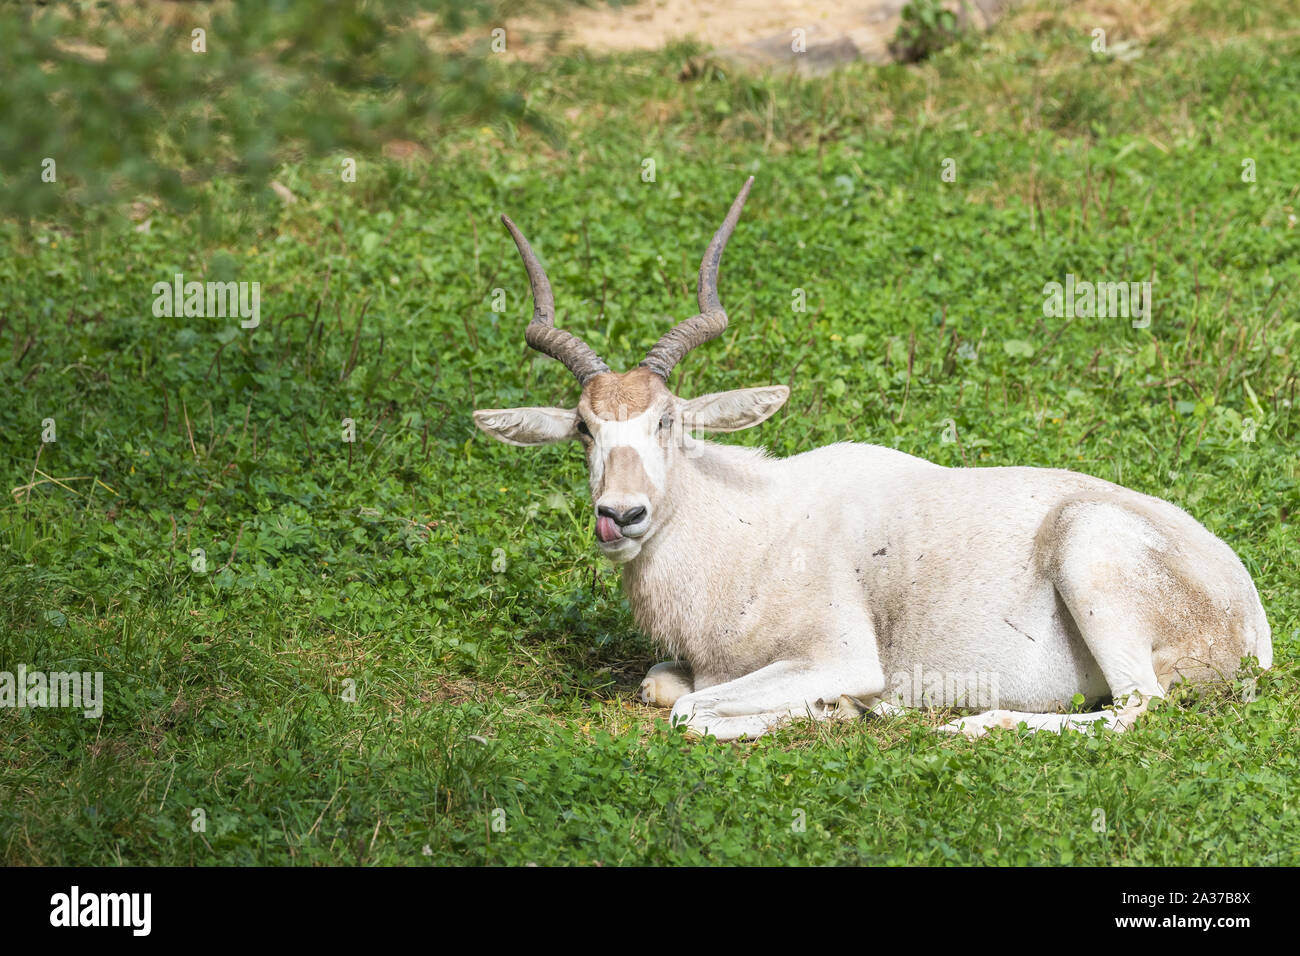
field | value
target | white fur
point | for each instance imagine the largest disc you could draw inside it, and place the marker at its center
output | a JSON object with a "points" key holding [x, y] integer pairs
{"points": [[636, 434], [528, 426], [784, 588], [785, 584]]}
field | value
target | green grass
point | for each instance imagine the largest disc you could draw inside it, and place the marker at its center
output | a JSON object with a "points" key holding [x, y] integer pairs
{"points": [[455, 580]]}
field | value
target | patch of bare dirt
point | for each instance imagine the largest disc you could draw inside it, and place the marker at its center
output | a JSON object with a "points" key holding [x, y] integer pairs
{"points": [[805, 35]]}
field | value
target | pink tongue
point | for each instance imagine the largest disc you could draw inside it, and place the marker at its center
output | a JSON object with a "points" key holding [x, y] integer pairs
{"points": [[606, 530]]}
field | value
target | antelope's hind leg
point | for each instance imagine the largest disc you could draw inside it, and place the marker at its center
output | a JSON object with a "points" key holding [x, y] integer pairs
{"points": [[1117, 719], [1152, 603]]}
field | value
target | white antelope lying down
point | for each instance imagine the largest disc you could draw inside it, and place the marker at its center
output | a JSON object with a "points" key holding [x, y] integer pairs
{"points": [[858, 577]]}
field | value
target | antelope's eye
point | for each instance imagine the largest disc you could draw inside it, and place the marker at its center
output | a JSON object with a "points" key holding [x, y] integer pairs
{"points": [[666, 422], [583, 429]]}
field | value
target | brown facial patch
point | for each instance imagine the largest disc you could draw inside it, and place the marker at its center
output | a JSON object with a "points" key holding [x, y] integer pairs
{"points": [[624, 471], [615, 396]]}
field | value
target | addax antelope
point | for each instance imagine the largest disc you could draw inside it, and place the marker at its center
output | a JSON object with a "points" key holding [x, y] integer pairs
{"points": [[858, 577]]}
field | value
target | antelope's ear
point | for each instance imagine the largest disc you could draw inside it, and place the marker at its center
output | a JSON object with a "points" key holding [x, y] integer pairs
{"points": [[734, 410], [528, 426]]}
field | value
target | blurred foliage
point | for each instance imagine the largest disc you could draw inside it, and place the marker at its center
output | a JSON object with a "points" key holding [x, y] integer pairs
{"points": [[925, 28], [124, 102]]}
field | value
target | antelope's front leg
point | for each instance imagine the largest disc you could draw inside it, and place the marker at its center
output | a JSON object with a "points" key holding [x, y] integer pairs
{"points": [[749, 706], [665, 683]]}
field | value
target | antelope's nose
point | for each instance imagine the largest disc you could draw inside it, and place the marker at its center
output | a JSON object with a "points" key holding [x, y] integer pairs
{"points": [[622, 518]]}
